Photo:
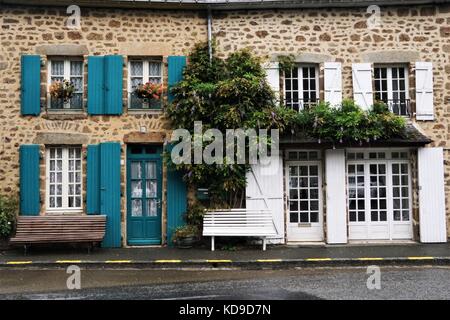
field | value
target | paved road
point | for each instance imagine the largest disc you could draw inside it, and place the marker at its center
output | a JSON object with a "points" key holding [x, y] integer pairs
{"points": [[309, 283]]}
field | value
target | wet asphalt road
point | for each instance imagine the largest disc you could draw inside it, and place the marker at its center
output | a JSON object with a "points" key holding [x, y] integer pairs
{"points": [[301, 284]]}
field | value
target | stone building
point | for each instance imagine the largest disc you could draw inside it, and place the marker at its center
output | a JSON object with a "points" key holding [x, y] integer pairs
{"points": [[100, 151]]}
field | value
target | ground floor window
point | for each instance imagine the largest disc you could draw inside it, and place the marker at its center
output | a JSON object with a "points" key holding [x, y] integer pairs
{"points": [[379, 195], [64, 172]]}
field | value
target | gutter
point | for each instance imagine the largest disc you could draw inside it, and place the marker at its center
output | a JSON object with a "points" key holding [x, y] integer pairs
{"points": [[205, 5]]}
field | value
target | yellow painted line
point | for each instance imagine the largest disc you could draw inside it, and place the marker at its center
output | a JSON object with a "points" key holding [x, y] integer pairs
{"points": [[167, 261], [420, 258], [370, 259], [68, 261], [213, 261], [118, 261], [19, 262], [269, 260], [318, 259]]}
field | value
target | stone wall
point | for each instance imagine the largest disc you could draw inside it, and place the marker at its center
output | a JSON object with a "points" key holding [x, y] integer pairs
{"points": [[421, 33]]}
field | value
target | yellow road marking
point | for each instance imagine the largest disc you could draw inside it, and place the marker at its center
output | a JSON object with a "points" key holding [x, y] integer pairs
{"points": [[19, 262], [167, 261], [212, 261], [370, 259], [420, 258], [118, 261], [318, 259], [269, 260], [68, 261]]}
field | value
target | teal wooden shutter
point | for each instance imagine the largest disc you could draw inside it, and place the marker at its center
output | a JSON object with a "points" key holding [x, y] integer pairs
{"points": [[96, 87], [30, 85], [93, 180], [30, 203], [113, 84], [175, 66], [176, 199], [110, 192]]}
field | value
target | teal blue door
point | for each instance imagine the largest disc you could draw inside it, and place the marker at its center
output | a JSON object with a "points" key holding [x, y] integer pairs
{"points": [[144, 182]]}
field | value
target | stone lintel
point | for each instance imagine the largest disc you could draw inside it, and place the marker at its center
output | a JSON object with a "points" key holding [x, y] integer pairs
{"points": [[391, 56], [308, 57], [62, 49], [61, 138], [144, 137], [144, 49]]}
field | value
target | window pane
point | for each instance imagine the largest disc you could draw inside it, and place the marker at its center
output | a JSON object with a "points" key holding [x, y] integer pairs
{"points": [[136, 68], [152, 210], [57, 68], [76, 68], [151, 189]]}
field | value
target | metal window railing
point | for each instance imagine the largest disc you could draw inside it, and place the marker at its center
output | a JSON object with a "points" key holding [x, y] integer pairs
{"points": [[401, 107]]}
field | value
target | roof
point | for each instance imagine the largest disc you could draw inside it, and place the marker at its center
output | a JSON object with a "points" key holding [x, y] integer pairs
{"points": [[223, 4], [411, 137]]}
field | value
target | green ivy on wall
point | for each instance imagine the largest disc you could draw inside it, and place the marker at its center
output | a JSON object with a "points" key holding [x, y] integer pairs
{"points": [[232, 92]]}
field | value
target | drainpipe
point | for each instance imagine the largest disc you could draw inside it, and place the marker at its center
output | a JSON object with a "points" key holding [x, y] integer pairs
{"points": [[209, 34]]}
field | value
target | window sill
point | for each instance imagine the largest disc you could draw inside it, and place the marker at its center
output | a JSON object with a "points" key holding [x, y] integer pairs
{"points": [[65, 114], [145, 111], [64, 213]]}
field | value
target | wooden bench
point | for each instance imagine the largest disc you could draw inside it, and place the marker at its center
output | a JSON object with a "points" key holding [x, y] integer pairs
{"points": [[59, 229], [239, 222]]}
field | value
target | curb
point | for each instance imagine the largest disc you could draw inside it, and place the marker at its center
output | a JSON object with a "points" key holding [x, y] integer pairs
{"points": [[243, 264]]}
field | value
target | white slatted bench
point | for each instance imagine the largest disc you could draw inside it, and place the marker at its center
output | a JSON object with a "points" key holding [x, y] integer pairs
{"points": [[239, 222]]}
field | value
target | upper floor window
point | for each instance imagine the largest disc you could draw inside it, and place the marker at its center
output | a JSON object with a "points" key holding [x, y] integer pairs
{"points": [[391, 87], [65, 83], [301, 86], [64, 171], [142, 71]]}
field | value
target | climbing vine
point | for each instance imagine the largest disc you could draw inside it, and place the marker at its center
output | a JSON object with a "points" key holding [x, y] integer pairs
{"points": [[232, 92]]}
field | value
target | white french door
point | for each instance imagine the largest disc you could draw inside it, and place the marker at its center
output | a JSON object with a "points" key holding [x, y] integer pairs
{"points": [[379, 200], [304, 201]]}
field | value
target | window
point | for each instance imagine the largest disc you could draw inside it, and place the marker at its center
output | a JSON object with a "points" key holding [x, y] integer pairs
{"points": [[66, 69], [391, 87], [64, 185], [303, 155], [301, 87], [142, 71]]}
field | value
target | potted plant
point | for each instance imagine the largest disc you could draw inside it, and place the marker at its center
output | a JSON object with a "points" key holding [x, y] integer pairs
{"points": [[62, 90], [8, 213], [185, 236]]}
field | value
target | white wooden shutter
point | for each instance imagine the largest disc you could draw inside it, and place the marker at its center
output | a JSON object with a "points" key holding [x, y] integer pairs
{"points": [[424, 91], [273, 77], [333, 83], [432, 220], [362, 85], [265, 191], [336, 197]]}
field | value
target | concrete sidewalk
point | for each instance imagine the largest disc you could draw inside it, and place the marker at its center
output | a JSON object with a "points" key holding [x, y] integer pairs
{"points": [[280, 256]]}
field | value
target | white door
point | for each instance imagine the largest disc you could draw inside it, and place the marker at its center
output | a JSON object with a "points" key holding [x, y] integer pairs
{"points": [[304, 207], [379, 200], [264, 191]]}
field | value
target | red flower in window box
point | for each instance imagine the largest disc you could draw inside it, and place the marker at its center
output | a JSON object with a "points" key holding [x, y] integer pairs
{"points": [[149, 91]]}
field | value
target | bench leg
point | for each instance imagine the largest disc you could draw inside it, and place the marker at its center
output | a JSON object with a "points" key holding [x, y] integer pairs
{"points": [[264, 243], [212, 243], [25, 249]]}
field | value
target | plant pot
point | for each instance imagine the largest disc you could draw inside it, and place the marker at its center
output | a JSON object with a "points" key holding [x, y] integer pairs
{"points": [[185, 242]]}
